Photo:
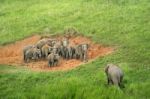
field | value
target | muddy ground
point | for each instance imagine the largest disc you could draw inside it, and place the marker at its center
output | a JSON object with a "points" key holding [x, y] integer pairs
{"points": [[11, 54]]}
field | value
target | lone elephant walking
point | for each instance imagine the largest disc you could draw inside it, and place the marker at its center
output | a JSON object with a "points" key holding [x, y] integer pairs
{"points": [[114, 74]]}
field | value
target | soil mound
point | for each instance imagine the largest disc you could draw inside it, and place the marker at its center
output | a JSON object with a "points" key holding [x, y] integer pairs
{"points": [[11, 54]]}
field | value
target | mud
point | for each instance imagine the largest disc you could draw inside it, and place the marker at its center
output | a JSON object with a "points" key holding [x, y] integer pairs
{"points": [[11, 54]]}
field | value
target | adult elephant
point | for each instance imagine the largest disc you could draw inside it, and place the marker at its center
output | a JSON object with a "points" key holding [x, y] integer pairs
{"points": [[26, 48], [42, 42], [81, 52], [46, 49], [66, 49], [69, 52], [114, 74], [32, 54]]}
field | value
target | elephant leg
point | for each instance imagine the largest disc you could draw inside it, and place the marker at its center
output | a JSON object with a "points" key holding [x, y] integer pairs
{"points": [[85, 57], [119, 84], [65, 55], [62, 53], [70, 55], [56, 63], [27, 60], [46, 55], [74, 56], [81, 57], [120, 80], [53, 63], [115, 81], [78, 56], [108, 81], [42, 55], [49, 63]]}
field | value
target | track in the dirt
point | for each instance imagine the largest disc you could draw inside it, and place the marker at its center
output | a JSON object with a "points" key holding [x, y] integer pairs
{"points": [[11, 54]]}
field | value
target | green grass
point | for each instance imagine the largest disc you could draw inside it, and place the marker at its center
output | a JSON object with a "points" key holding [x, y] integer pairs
{"points": [[121, 23]]}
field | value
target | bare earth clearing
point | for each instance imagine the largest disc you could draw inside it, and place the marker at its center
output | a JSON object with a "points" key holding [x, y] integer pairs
{"points": [[11, 54]]}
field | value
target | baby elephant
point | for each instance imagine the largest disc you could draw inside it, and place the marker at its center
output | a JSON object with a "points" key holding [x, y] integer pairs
{"points": [[53, 59], [114, 74]]}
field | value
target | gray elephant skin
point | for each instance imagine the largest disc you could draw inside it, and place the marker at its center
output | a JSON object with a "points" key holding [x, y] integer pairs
{"points": [[27, 48], [81, 52], [114, 74], [42, 42], [69, 52], [53, 59], [32, 53], [46, 49]]}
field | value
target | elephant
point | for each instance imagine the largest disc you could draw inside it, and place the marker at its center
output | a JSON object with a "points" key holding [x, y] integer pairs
{"points": [[46, 49], [77, 52], [32, 53], [41, 43], [114, 74], [27, 48], [81, 52], [60, 47], [69, 52], [53, 59], [57, 48]]}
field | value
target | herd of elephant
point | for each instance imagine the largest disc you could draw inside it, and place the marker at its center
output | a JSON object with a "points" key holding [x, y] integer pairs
{"points": [[53, 50]]}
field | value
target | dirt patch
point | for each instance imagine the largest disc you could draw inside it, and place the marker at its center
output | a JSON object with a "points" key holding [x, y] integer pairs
{"points": [[12, 54]]}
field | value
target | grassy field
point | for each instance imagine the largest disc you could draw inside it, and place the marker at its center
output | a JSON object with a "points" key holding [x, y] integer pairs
{"points": [[124, 24]]}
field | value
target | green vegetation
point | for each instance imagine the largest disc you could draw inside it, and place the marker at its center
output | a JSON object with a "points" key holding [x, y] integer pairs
{"points": [[124, 24]]}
